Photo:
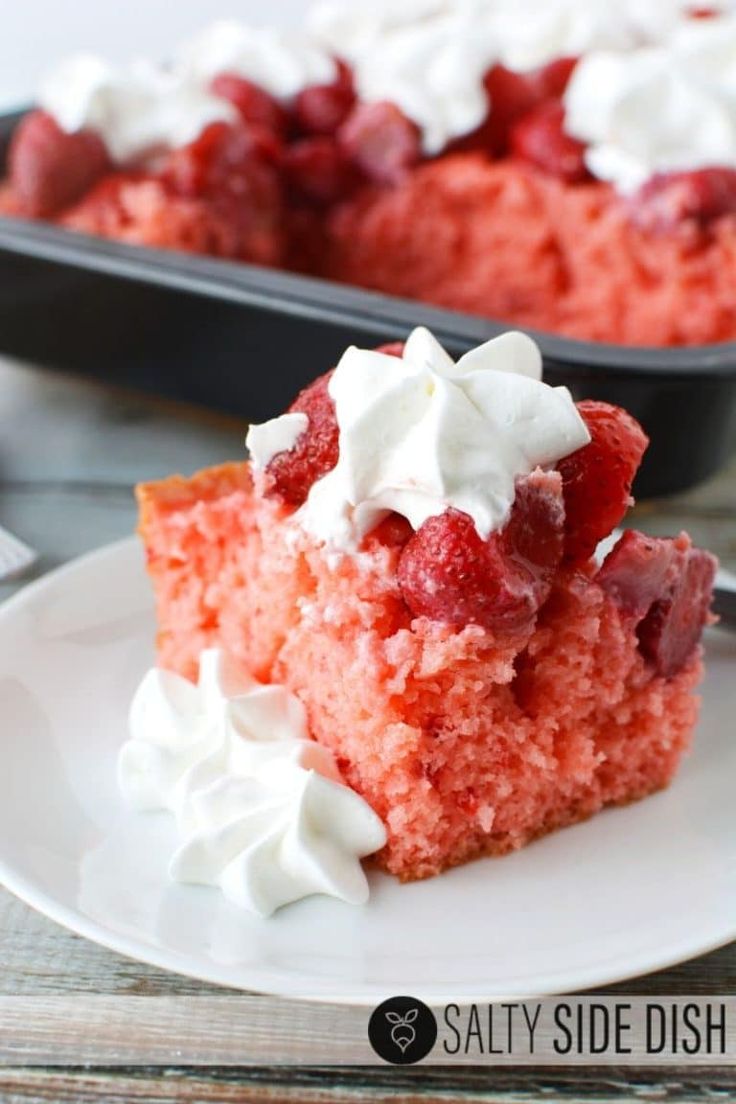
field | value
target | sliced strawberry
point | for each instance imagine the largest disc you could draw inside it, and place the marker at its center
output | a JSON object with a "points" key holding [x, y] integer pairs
{"points": [[322, 108], [380, 141], [230, 169], [670, 199], [638, 570], [221, 160], [291, 474], [552, 79], [319, 171], [597, 479], [671, 631], [448, 573], [511, 95], [393, 532], [666, 587], [539, 137], [255, 106], [393, 348], [50, 169]]}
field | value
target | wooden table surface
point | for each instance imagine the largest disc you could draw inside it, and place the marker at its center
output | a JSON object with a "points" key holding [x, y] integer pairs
{"points": [[70, 451]]}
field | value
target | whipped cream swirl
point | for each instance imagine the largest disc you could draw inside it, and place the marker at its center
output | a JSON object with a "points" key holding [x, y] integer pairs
{"points": [[664, 109], [549, 29], [141, 109], [260, 807], [138, 111], [421, 433], [429, 57]]}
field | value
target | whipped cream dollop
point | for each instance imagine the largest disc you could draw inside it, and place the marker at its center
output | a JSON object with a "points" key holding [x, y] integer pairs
{"points": [[421, 433], [544, 30], [662, 109], [428, 57], [260, 807], [138, 110], [282, 62]]}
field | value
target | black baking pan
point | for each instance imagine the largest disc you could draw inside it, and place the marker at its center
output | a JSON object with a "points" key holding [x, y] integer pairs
{"points": [[245, 339]]}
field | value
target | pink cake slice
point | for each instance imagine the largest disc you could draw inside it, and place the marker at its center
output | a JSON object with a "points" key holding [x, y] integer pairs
{"points": [[464, 741]]}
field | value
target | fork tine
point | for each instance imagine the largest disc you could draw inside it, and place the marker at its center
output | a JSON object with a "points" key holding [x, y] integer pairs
{"points": [[15, 556]]}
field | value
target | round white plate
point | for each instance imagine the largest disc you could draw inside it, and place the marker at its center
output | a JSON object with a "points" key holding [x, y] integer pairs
{"points": [[633, 890]]}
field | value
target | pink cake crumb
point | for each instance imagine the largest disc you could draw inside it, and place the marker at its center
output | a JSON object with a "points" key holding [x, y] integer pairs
{"points": [[463, 743]]}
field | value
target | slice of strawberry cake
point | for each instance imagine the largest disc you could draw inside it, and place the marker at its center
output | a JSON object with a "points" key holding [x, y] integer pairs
{"points": [[411, 553]]}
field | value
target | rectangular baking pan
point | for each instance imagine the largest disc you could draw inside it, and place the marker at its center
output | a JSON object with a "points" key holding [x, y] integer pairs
{"points": [[245, 339]]}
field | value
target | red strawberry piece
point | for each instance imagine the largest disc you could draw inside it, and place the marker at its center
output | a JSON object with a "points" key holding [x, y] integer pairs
{"points": [[448, 573], [50, 169], [597, 478], [230, 170], [539, 137], [671, 630], [322, 108], [393, 532], [220, 160], [637, 571], [552, 79], [291, 474], [255, 106], [380, 141], [319, 171], [665, 586], [511, 95], [670, 199]]}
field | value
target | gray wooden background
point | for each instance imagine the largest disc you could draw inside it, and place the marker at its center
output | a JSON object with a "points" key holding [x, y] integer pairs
{"points": [[70, 451]]}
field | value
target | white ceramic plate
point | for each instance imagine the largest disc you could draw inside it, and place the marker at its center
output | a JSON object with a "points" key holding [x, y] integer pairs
{"points": [[633, 890]]}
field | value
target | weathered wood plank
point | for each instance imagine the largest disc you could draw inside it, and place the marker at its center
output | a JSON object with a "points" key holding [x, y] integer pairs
{"points": [[369, 1086]]}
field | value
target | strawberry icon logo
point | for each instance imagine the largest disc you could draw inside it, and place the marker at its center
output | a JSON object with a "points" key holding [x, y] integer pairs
{"points": [[402, 1032]]}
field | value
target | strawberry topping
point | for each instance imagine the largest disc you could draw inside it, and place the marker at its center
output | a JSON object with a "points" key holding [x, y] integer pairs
{"points": [[50, 169], [319, 171], [231, 169], [322, 108], [553, 78], [447, 572], [512, 96], [381, 141], [393, 348], [290, 474], [597, 478], [637, 571], [666, 587], [539, 138], [671, 631], [697, 197], [253, 103]]}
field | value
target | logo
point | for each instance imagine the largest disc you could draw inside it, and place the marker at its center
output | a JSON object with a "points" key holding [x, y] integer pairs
{"points": [[402, 1030]]}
